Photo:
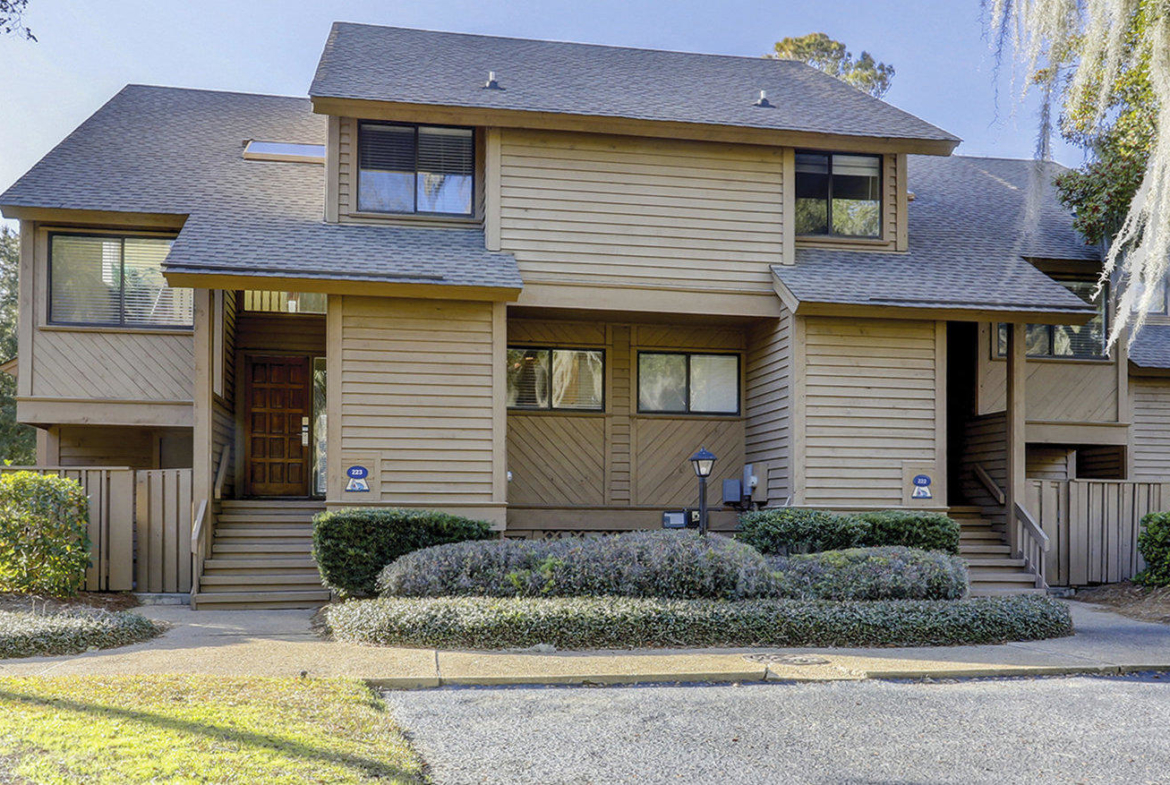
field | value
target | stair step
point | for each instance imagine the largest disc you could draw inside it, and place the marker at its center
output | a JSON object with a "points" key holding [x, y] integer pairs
{"points": [[992, 591], [992, 575], [263, 518], [991, 561], [219, 547], [980, 547], [284, 504], [260, 599], [960, 509], [240, 530], [312, 578], [247, 563], [979, 534]]}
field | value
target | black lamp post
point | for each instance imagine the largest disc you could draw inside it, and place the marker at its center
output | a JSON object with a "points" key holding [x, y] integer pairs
{"points": [[703, 462]]}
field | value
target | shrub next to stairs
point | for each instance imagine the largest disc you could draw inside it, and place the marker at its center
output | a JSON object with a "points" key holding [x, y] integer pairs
{"points": [[786, 530], [352, 546]]}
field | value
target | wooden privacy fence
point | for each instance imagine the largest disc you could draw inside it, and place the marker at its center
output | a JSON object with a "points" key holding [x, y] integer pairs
{"points": [[139, 526], [1093, 526]]}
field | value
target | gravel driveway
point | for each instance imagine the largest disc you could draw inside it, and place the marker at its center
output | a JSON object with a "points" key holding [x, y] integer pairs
{"points": [[1078, 730]]}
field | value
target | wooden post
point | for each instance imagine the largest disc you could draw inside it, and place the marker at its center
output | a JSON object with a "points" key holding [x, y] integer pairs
{"points": [[1017, 373], [203, 471]]}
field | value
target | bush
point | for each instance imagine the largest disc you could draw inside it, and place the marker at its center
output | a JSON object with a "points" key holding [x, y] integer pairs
{"points": [[667, 564], [44, 545], [786, 530], [1154, 544], [71, 632], [352, 546], [629, 622], [930, 531], [872, 574]]}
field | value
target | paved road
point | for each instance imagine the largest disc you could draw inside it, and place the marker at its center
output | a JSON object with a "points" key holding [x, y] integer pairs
{"points": [[1076, 730]]}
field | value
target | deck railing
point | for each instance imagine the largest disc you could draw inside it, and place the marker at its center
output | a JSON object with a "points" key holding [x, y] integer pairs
{"points": [[1025, 536]]}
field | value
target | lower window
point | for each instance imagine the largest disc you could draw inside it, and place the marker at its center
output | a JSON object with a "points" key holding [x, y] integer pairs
{"points": [[1086, 341], [572, 379], [687, 383]]}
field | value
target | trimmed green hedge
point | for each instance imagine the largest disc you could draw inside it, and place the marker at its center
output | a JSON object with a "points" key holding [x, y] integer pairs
{"points": [[352, 546], [665, 564], [627, 623], [786, 530], [893, 573], [44, 544], [930, 531], [1154, 544], [71, 632]]}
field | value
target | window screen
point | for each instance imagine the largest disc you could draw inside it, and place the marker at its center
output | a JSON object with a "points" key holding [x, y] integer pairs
{"points": [[114, 281], [688, 383], [556, 379], [415, 169]]}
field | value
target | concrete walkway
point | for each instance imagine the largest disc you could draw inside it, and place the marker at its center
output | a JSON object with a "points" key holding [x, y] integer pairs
{"points": [[281, 643]]}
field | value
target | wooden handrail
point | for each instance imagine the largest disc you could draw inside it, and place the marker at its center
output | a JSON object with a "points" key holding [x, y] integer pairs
{"points": [[990, 484], [197, 529], [1033, 528], [221, 470]]}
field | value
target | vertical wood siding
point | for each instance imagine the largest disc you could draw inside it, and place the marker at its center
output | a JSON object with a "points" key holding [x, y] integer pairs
{"points": [[1151, 429], [416, 389], [163, 517], [870, 394], [769, 421], [624, 210]]}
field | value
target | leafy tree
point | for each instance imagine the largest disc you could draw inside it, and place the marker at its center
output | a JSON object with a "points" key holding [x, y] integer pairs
{"points": [[17, 441], [1108, 63], [832, 57], [12, 19]]}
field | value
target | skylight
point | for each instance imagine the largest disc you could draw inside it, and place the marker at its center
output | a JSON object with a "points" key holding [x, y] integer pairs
{"points": [[285, 151]]}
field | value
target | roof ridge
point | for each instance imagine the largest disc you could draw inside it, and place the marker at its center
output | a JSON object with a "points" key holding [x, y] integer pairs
{"points": [[214, 92]]}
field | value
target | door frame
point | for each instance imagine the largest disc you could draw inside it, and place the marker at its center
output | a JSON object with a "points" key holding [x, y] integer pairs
{"points": [[242, 422]]}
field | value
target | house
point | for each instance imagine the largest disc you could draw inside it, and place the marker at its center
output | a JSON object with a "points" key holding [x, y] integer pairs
{"points": [[525, 280]]}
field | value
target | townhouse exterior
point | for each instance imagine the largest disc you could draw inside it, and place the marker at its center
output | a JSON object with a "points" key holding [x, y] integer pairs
{"points": [[524, 281]]}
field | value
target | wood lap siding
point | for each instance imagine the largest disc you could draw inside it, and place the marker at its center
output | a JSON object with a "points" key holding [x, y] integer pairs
{"points": [[113, 365], [768, 408], [619, 210], [416, 389], [106, 446], [1151, 429], [870, 389]]}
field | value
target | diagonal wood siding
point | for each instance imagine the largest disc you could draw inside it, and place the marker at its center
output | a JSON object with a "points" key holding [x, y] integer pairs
{"points": [[664, 475], [557, 458], [113, 365]]}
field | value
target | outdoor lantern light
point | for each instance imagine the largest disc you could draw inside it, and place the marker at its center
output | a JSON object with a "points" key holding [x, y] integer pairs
{"points": [[703, 462]]}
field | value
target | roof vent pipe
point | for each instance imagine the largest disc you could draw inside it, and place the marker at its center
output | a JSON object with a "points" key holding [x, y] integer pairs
{"points": [[491, 83], [763, 100]]}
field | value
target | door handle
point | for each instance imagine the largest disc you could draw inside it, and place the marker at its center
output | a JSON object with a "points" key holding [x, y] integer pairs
{"points": [[305, 431]]}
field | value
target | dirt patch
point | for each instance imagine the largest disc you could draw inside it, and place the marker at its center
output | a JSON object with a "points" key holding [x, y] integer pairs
{"points": [[110, 601], [1137, 602]]}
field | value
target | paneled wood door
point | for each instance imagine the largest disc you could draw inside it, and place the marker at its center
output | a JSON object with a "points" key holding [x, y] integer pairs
{"points": [[277, 401]]}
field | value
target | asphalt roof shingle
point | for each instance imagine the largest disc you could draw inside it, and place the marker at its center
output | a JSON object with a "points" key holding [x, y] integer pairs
{"points": [[175, 151], [1151, 347], [368, 62], [973, 224]]}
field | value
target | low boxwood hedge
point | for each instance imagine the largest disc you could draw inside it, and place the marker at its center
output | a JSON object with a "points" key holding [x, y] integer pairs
{"points": [[352, 546], [628, 623], [664, 564], [786, 530], [25, 634], [930, 531], [872, 574]]}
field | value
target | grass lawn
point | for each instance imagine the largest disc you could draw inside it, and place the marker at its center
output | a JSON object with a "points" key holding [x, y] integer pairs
{"points": [[198, 729]]}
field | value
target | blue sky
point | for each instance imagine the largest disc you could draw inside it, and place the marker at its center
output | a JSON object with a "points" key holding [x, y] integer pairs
{"points": [[89, 49]]}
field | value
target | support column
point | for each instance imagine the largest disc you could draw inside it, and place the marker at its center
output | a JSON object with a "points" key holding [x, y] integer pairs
{"points": [[203, 469], [1017, 373]]}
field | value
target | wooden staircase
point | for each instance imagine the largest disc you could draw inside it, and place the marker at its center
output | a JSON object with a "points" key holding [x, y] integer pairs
{"points": [[261, 557], [990, 566]]}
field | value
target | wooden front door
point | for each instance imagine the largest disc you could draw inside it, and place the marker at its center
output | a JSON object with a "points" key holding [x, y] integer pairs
{"points": [[277, 401]]}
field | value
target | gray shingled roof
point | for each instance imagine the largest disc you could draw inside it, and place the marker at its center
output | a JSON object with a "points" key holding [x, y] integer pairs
{"points": [[972, 227], [1151, 347], [449, 69], [174, 151]]}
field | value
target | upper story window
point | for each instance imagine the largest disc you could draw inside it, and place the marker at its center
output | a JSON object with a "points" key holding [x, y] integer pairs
{"points": [[838, 194], [1084, 341], [415, 169], [112, 281], [556, 379], [683, 383]]}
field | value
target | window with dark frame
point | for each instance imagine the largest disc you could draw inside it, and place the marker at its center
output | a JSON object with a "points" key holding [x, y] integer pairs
{"points": [[556, 379], [415, 169], [114, 281], [688, 383], [838, 194], [1084, 341]]}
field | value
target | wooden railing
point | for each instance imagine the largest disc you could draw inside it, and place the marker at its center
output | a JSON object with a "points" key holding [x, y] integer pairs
{"points": [[1093, 526], [992, 487], [1033, 544], [202, 526]]}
